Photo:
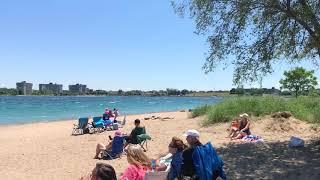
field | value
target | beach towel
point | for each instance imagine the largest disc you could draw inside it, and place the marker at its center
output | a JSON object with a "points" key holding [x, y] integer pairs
{"points": [[252, 138], [207, 163]]}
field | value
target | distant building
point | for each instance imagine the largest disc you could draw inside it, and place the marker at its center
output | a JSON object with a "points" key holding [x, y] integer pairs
{"points": [[50, 88], [78, 89], [24, 88]]}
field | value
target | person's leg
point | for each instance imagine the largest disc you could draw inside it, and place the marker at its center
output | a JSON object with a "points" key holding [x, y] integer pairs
{"points": [[232, 133], [109, 146], [100, 147], [240, 135]]}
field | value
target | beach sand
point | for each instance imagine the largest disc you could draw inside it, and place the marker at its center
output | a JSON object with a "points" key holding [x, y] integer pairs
{"points": [[48, 151]]}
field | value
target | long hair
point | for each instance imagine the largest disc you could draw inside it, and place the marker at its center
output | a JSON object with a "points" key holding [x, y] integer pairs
{"points": [[178, 143], [136, 156], [243, 122]]}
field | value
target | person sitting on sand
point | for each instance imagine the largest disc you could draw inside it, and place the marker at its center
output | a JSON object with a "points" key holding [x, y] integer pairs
{"points": [[244, 126], [139, 163], [106, 114], [101, 172], [176, 148], [173, 159], [133, 137], [102, 147], [195, 164], [234, 128], [187, 167]]}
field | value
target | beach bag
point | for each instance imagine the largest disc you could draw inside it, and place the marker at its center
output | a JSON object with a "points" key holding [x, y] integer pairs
{"points": [[296, 142]]}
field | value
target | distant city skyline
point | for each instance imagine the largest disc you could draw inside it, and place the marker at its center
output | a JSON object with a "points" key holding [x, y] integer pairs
{"points": [[109, 45]]}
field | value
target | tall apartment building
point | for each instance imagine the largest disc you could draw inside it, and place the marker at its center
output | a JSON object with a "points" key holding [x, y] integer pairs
{"points": [[78, 89], [50, 88], [24, 88]]}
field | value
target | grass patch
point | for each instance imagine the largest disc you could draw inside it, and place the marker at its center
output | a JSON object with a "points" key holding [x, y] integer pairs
{"points": [[200, 111], [303, 108]]}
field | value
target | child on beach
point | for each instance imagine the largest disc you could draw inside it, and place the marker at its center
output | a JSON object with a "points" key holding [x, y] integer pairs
{"points": [[234, 128], [139, 163]]}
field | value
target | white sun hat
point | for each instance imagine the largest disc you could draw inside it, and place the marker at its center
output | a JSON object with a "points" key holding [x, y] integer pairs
{"points": [[244, 115], [192, 133]]}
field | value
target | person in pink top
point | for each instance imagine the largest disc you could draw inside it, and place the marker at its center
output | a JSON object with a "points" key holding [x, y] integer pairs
{"points": [[139, 163]]}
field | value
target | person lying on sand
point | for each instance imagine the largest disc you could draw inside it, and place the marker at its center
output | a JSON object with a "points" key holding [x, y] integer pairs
{"points": [[244, 126], [102, 147]]}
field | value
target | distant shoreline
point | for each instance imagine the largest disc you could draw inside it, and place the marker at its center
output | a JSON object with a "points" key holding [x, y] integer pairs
{"points": [[188, 95]]}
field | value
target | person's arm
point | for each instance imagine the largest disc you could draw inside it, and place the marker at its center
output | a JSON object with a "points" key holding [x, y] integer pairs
{"points": [[246, 127]]}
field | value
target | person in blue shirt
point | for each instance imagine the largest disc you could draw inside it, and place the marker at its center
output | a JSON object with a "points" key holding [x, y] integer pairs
{"points": [[176, 148]]}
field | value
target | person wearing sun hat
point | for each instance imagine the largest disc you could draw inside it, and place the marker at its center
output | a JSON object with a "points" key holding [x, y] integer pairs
{"points": [[192, 137], [200, 161], [244, 126]]}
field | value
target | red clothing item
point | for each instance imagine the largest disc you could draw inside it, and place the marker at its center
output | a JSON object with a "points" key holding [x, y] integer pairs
{"points": [[134, 172]]}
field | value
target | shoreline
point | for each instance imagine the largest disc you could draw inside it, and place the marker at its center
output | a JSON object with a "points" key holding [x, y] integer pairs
{"points": [[90, 118]]}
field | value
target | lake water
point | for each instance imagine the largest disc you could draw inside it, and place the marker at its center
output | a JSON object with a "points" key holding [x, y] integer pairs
{"points": [[26, 109]]}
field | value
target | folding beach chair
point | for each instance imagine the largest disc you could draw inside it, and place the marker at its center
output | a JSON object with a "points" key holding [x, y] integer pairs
{"points": [[80, 127], [97, 124], [143, 139], [116, 150]]}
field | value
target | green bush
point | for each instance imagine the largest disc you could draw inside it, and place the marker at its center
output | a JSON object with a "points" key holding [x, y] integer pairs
{"points": [[303, 108], [200, 111]]}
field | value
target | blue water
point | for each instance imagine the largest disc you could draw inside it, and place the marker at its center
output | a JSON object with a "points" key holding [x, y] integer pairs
{"points": [[26, 109]]}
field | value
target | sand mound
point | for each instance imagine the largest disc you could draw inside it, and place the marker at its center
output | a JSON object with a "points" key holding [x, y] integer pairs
{"points": [[288, 125]]}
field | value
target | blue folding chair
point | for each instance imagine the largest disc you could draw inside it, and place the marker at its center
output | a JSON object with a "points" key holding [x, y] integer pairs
{"points": [[80, 127], [116, 150], [98, 124]]}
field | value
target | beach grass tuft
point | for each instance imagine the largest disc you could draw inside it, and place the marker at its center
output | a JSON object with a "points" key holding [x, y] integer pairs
{"points": [[303, 108]]}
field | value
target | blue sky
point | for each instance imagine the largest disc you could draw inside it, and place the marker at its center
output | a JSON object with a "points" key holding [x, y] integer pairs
{"points": [[111, 45]]}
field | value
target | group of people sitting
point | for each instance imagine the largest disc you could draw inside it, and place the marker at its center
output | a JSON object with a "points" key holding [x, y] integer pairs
{"points": [[122, 139], [240, 127], [108, 119], [108, 113], [182, 162]]}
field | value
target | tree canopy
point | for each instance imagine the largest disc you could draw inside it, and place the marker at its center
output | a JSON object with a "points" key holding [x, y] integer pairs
{"points": [[255, 32], [299, 80]]}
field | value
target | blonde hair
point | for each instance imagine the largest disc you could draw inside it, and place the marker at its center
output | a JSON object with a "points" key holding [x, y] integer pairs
{"points": [[136, 156]]}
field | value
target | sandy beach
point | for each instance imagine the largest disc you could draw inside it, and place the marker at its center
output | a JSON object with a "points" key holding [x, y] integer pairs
{"points": [[48, 151]]}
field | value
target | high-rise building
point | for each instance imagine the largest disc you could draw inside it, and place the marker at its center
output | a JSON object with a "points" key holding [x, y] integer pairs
{"points": [[24, 88], [78, 89], [50, 88]]}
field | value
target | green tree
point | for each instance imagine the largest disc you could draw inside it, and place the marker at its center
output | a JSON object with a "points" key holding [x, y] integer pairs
{"points": [[299, 81], [120, 92], [255, 33]]}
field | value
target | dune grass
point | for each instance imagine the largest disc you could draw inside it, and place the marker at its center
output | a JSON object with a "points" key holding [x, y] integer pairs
{"points": [[303, 108]]}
